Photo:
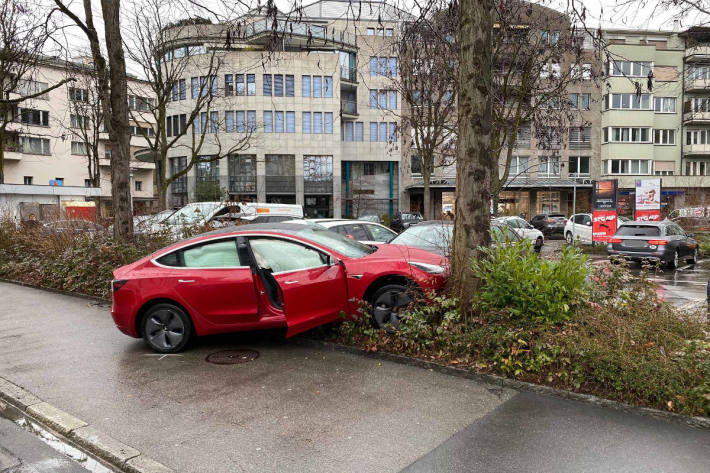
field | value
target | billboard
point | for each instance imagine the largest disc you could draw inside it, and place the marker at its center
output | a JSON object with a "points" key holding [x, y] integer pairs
{"points": [[648, 200], [604, 195], [603, 224], [604, 215]]}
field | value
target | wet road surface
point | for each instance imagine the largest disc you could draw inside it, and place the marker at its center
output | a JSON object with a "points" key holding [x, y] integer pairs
{"points": [[306, 410]]}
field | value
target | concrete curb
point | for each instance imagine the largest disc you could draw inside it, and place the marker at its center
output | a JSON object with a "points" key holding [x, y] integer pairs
{"points": [[78, 433], [501, 382], [80, 295]]}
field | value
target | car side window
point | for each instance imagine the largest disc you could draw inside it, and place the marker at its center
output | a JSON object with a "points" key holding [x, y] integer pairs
{"points": [[380, 234], [587, 220], [219, 254], [678, 230], [670, 231], [513, 222], [281, 256], [358, 232]]}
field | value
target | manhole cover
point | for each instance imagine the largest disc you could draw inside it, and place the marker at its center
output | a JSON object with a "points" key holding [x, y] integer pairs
{"points": [[232, 357]]}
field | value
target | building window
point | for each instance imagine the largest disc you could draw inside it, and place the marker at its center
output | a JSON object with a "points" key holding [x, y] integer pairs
{"points": [[389, 32], [30, 116], [138, 186], [317, 122], [348, 134], [697, 168], [698, 72], [550, 70], [373, 66], [31, 145], [373, 98], [550, 37], [278, 85], [59, 181], [664, 104], [268, 87], [392, 137], [368, 169], [251, 84], [79, 121], [383, 131], [373, 131], [581, 71], [306, 122], [251, 121], [228, 85], [78, 148], [626, 135], [518, 165], [305, 86], [579, 166], [359, 131], [700, 105], [317, 168], [697, 137], [289, 86], [268, 122], [278, 122], [415, 165], [664, 137], [549, 166], [579, 101], [239, 79], [328, 123], [628, 166], [31, 87], [627, 102], [580, 137], [290, 122], [27, 180], [380, 31], [629, 68], [78, 95], [371, 32], [240, 118], [317, 86], [327, 87]]}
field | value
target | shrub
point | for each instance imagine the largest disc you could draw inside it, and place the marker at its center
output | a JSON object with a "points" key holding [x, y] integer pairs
{"points": [[528, 287]]}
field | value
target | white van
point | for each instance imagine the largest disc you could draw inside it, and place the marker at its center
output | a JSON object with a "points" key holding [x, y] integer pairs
{"points": [[222, 214]]}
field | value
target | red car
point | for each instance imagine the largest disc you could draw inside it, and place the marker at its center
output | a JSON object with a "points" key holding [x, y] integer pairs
{"points": [[265, 276]]}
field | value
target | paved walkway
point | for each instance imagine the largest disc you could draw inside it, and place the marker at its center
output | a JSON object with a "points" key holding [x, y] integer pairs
{"points": [[300, 409]]}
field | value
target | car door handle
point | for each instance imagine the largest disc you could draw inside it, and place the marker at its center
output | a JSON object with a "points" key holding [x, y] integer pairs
{"points": [[186, 280], [290, 282]]}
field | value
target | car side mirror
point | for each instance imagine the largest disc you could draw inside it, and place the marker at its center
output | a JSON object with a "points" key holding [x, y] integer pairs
{"points": [[350, 236]]}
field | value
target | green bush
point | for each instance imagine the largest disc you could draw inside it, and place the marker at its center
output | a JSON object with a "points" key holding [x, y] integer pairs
{"points": [[528, 287]]}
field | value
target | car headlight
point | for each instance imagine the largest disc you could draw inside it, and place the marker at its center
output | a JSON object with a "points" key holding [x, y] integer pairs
{"points": [[427, 268]]}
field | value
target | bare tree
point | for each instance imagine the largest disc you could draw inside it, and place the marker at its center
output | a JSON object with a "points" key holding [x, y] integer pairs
{"points": [[112, 84], [427, 83], [154, 45], [23, 34]]}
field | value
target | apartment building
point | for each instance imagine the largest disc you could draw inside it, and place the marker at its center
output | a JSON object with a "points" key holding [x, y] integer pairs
{"points": [[316, 105], [46, 160]]}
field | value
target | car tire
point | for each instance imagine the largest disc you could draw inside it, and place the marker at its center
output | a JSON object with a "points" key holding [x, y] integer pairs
{"points": [[568, 238], [538, 244], [386, 303], [693, 259], [166, 328], [673, 263]]}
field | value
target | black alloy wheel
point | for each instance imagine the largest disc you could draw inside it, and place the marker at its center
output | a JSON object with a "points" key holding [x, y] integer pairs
{"points": [[167, 328], [387, 303]]}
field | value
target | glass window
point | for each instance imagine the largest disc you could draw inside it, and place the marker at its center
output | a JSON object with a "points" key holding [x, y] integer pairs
{"points": [[194, 87], [393, 100], [240, 84], [221, 254], [268, 122], [382, 70], [214, 122], [383, 131], [393, 67], [282, 256], [229, 121], [251, 84], [278, 85], [328, 122], [373, 66], [317, 122], [279, 122], [373, 98], [373, 131], [317, 82], [305, 86], [289, 86], [371, 32], [251, 120], [290, 122], [267, 84], [357, 231], [382, 99], [306, 122], [228, 84], [241, 126], [358, 131], [392, 132], [327, 87]]}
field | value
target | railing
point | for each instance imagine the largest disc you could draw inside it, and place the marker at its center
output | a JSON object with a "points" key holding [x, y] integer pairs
{"points": [[580, 145], [348, 73], [348, 106], [300, 29], [245, 184], [281, 184], [318, 187]]}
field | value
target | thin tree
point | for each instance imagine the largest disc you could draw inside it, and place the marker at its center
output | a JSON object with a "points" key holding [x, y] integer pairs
{"points": [[112, 85]]}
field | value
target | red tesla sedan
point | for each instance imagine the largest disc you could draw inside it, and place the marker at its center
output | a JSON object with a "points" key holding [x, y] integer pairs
{"points": [[265, 276]]}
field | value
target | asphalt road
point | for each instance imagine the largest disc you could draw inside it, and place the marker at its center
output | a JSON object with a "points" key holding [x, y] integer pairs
{"points": [[22, 452], [300, 409]]}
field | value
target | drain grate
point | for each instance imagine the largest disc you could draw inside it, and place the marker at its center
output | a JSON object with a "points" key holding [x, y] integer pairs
{"points": [[232, 357]]}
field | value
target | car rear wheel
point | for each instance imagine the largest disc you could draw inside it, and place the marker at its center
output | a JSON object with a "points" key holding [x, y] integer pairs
{"points": [[387, 303], [693, 259], [167, 328], [673, 263], [538, 244], [568, 238]]}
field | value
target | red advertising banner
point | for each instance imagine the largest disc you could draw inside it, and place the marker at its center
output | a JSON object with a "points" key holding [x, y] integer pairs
{"points": [[603, 224], [648, 215]]}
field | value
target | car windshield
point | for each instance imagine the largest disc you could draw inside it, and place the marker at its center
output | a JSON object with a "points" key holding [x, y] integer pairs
{"points": [[437, 236], [191, 213], [338, 243], [638, 230]]}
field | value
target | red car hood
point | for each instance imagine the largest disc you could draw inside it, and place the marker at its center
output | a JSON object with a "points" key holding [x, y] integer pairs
{"points": [[408, 253]]}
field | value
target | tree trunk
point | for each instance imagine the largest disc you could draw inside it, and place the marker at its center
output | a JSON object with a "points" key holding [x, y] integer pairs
{"points": [[426, 211], [474, 159], [119, 136]]}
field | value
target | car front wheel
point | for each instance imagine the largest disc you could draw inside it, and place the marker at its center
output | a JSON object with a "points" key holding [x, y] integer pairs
{"points": [[693, 259], [673, 263], [167, 328], [387, 303], [568, 238]]}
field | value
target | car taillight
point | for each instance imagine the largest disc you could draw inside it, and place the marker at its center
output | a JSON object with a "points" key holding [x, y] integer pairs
{"points": [[615, 240], [657, 242], [550, 220], [117, 284]]}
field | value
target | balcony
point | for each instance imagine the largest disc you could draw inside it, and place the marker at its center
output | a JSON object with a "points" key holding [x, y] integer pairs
{"points": [[696, 117], [348, 108], [318, 187], [580, 145], [245, 184], [280, 184], [697, 85], [348, 74], [696, 150], [700, 52]]}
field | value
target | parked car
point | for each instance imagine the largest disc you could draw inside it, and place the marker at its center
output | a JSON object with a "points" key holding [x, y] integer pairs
{"points": [[362, 231], [549, 223], [524, 230], [579, 229], [436, 235], [75, 227], [403, 220], [664, 241], [265, 276], [370, 218], [143, 223]]}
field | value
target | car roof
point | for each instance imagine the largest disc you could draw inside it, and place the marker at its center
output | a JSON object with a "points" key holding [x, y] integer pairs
{"points": [[646, 223]]}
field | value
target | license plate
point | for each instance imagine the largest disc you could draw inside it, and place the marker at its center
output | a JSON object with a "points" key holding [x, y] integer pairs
{"points": [[634, 244]]}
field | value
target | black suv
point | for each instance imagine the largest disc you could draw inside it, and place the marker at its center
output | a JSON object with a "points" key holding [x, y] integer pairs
{"points": [[549, 224], [403, 220]]}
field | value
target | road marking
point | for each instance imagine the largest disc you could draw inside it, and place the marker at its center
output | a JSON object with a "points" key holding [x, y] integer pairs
{"points": [[161, 355]]}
